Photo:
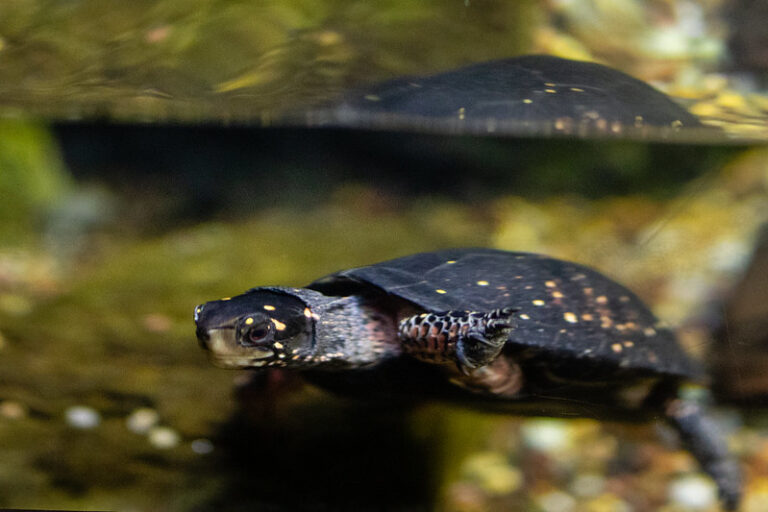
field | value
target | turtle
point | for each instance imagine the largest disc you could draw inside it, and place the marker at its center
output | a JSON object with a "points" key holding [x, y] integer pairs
{"points": [[515, 332], [532, 92]]}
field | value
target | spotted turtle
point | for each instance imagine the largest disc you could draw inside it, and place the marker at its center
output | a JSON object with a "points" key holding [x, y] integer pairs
{"points": [[510, 331]]}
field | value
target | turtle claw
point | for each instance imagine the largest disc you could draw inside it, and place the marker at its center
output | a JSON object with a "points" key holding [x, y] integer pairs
{"points": [[484, 341]]}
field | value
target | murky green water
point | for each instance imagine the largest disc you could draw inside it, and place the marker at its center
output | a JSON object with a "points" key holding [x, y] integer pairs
{"points": [[111, 233]]}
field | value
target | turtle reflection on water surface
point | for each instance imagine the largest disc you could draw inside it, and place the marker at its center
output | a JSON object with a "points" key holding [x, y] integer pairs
{"points": [[491, 329], [527, 95]]}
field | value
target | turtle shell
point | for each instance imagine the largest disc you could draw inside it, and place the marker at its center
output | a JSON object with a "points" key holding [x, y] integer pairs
{"points": [[564, 310], [532, 88]]}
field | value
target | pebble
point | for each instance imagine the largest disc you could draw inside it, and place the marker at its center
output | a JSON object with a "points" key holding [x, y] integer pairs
{"points": [[201, 446], [163, 438], [492, 473], [157, 322], [556, 501], [141, 420], [12, 410], [694, 492], [83, 417], [588, 484], [546, 435]]}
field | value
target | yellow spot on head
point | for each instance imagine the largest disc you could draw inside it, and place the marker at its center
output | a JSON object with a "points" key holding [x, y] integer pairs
{"points": [[527, 101], [570, 317], [629, 343], [249, 321], [462, 113], [277, 345], [616, 347], [550, 284], [372, 97], [441, 291], [482, 283], [525, 317], [278, 324], [550, 91], [557, 295], [538, 302], [269, 308], [549, 84], [307, 312], [577, 89], [451, 262]]}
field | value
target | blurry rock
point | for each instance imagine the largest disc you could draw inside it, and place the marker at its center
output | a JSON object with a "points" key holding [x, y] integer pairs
{"points": [[163, 438], [695, 492], [202, 446], [492, 472], [556, 501], [141, 420], [82, 417], [12, 410], [547, 435]]}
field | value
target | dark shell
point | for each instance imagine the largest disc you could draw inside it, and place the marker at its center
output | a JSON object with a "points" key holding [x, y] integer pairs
{"points": [[565, 310], [533, 88]]}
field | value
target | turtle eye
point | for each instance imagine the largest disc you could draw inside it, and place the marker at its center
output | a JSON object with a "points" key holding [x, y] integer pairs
{"points": [[259, 333], [254, 330]]}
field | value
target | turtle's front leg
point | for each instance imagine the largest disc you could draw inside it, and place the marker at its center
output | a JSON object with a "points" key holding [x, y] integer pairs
{"points": [[470, 339]]}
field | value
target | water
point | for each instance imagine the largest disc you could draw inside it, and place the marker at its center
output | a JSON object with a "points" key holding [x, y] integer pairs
{"points": [[112, 232]]}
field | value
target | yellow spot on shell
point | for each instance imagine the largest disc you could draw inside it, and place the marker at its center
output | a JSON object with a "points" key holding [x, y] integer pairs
{"points": [[441, 291], [277, 345], [227, 298], [527, 101], [616, 347], [587, 317], [570, 317], [577, 89], [249, 321], [550, 91], [268, 307], [649, 331], [307, 312], [525, 317], [482, 283], [557, 295], [538, 302], [451, 262], [278, 324], [602, 299], [629, 343], [550, 284]]}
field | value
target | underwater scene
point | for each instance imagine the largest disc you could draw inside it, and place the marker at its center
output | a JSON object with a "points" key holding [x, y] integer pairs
{"points": [[408, 256]]}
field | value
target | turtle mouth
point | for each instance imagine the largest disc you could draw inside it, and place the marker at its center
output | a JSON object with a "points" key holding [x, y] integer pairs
{"points": [[225, 351]]}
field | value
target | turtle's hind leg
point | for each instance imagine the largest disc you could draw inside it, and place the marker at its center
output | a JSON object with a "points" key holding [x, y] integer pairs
{"points": [[702, 438], [469, 339]]}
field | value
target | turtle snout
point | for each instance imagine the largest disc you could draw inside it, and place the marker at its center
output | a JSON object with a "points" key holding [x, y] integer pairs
{"points": [[203, 337]]}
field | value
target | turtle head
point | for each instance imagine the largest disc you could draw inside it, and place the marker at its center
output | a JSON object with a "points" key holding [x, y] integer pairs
{"points": [[262, 327]]}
